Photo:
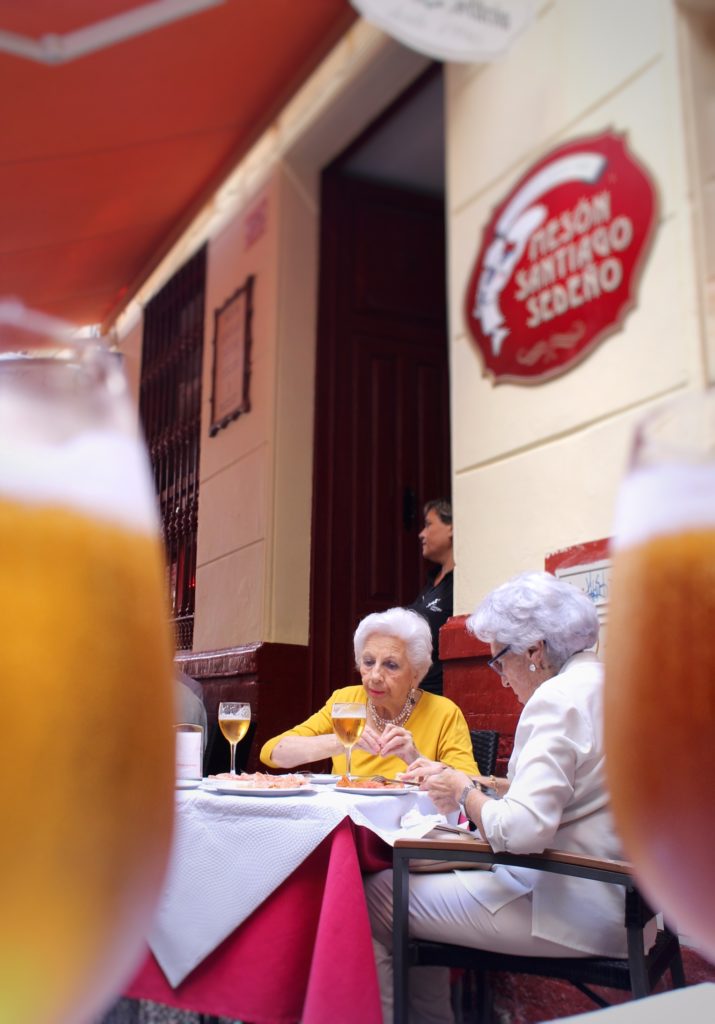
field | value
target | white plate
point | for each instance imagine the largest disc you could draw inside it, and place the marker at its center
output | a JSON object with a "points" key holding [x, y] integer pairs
{"points": [[376, 792], [324, 780], [235, 789], [187, 783]]}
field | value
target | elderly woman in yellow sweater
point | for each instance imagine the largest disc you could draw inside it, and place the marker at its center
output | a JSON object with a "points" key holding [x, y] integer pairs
{"points": [[393, 652]]}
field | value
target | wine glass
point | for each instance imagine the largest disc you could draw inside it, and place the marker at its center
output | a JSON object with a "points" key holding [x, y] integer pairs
{"points": [[87, 676], [234, 719], [349, 720], [660, 663]]}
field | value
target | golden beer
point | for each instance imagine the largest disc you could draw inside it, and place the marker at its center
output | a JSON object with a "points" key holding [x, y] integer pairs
{"points": [[660, 720], [234, 729], [660, 665], [349, 718], [348, 730], [87, 746]]}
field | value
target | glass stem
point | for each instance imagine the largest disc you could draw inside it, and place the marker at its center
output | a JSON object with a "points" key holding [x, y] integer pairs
{"points": [[233, 759], [348, 756]]}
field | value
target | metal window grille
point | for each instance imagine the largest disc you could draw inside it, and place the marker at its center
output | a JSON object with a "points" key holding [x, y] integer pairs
{"points": [[170, 409]]}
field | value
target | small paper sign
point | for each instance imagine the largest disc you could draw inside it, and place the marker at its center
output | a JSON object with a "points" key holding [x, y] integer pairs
{"points": [[189, 751]]}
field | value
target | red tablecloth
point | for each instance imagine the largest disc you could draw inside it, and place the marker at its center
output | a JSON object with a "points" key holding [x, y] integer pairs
{"points": [[305, 954]]}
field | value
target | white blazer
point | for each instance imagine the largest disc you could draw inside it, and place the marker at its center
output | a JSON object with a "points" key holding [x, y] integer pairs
{"points": [[557, 799]]}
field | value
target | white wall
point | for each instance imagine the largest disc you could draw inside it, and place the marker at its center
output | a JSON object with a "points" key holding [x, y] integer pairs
{"points": [[236, 477], [536, 468], [697, 49]]}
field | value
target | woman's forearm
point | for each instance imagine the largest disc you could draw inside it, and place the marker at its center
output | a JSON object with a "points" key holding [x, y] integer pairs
{"points": [[473, 807], [295, 750]]}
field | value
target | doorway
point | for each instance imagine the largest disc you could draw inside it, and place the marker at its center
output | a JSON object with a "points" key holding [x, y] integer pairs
{"points": [[382, 444]]}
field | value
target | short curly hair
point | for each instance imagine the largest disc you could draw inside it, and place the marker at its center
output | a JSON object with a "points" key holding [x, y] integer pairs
{"points": [[405, 625], [537, 606]]}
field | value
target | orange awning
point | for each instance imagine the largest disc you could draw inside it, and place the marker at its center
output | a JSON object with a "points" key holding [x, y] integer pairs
{"points": [[104, 159]]}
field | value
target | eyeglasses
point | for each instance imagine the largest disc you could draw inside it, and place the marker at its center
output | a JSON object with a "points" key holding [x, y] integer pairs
{"points": [[495, 662]]}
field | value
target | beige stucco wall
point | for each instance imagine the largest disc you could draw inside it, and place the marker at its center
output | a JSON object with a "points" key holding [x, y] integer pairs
{"points": [[536, 468], [697, 50], [236, 478]]}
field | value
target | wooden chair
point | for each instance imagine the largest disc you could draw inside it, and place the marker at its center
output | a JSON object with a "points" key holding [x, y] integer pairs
{"points": [[638, 973], [485, 746]]}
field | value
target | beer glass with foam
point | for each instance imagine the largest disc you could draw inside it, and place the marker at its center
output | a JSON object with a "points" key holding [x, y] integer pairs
{"points": [[660, 664], [349, 719], [86, 737]]}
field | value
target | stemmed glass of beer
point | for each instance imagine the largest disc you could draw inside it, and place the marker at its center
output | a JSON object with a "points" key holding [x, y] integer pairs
{"points": [[660, 663], [349, 720], [87, 753], [234, 719]]}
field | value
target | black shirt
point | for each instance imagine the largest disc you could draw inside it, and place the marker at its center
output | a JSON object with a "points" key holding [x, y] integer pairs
{"points": [[435, 604]]}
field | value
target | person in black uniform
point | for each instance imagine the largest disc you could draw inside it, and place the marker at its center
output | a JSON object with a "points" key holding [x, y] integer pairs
{"points": [[435, 602]]}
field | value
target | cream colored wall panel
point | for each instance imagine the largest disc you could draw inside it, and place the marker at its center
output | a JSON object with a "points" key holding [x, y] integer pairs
{"points": [[653, 355], [577, 53], [229, 600], [250, 430], [131, 350], [231, 258], [701, 69], [232, 506], [708, 192], [515, 512], [289, 567]]}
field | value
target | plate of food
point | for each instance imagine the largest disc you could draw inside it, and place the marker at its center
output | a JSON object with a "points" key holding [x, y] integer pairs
{"points": [[259, 784], [323, 780], [187, 783], [372, 787]]}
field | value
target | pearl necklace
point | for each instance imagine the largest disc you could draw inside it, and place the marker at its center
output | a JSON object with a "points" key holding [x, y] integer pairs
{"points": [[400, 717]]}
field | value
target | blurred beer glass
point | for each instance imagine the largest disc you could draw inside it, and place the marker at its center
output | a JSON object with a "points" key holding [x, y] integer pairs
{"points": [[87, 745], [660, 664]]}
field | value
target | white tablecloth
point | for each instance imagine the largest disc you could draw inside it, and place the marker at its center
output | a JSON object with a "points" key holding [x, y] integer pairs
{"points": [[230, 853], [693, 1005]]}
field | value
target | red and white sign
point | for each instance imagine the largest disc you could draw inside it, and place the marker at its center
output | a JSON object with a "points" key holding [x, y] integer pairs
{"points": [[559, 264]]}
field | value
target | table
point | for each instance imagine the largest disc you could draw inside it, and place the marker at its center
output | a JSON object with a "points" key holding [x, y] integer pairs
{"points": [[694, 1005], [263, 916]]}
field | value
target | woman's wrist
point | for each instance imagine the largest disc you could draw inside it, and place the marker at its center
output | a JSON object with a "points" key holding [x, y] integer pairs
{"points": [[469, 789]]}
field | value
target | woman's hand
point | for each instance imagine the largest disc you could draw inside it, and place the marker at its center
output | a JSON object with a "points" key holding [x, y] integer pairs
{"points": [[445, 789], [421, 769], [398, 742], [370, 740]]}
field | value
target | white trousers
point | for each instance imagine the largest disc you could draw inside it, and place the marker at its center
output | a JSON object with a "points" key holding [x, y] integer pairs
{"points": [[443, 910]]}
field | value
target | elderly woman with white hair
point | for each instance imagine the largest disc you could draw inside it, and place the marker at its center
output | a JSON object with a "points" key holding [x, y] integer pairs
{"points": [[540, 630], [393, 651]]}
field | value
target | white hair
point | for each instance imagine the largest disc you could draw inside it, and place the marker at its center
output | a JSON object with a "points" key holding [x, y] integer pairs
{"points": [[405, 625], [537, 606]]}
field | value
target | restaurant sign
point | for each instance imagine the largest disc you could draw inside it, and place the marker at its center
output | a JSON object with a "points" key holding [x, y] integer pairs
{"points": [[560, 260]]}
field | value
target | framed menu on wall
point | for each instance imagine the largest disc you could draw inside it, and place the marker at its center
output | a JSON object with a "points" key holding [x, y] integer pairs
{"points": [[232, 358]]}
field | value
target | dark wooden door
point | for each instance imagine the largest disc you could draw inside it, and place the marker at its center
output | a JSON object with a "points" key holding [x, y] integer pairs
{"points": [[382, 409]]}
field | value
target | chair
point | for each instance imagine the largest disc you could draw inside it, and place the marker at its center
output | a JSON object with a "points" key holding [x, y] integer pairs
{"points": [[638, 973], [485, 746]]}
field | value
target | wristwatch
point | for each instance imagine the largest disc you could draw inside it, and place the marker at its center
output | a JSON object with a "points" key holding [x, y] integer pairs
{"points": [[463, 798]]}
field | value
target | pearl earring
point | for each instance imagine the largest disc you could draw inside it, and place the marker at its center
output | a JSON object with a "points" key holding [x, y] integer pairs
{"points": [[532, 667]]}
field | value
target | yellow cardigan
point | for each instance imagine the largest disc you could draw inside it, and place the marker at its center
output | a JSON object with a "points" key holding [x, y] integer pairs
{"points": [[438, 728]]}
